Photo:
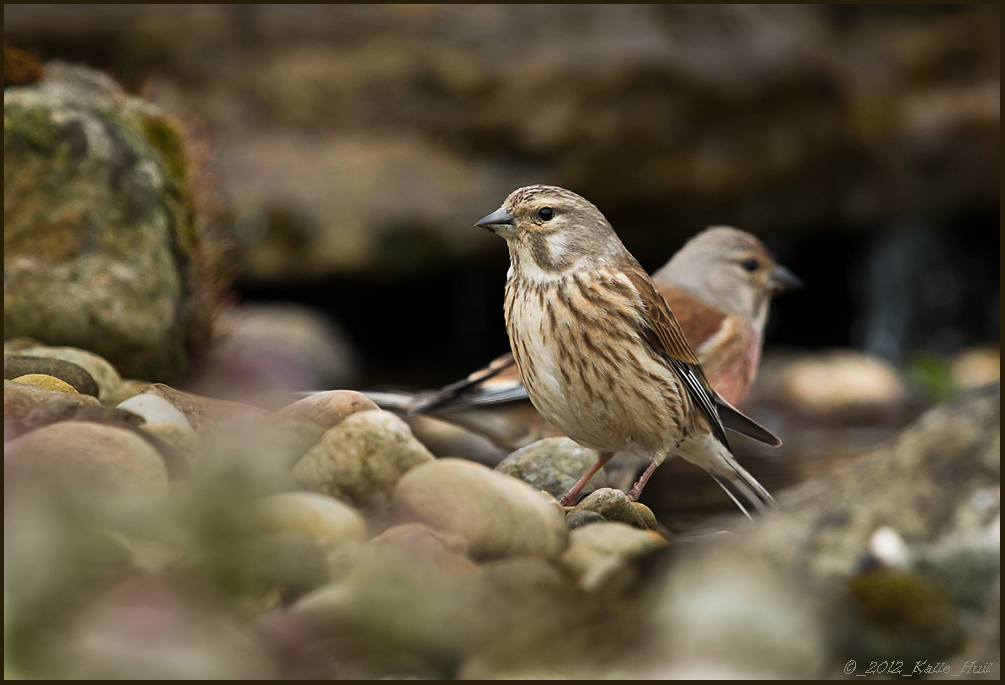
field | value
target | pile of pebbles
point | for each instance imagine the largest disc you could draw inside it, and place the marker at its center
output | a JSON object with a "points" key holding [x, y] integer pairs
{"points": [[356, 510], [152, 532]]}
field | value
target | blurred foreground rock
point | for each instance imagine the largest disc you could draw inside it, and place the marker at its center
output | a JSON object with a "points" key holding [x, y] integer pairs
{"points": [[802, 592], [497, 515], [100, 238], [88, 454], [325, 540], [155, 628], [938, 488]]}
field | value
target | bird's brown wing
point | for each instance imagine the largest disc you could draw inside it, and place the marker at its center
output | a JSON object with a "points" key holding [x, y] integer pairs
{"points": [[664, 335], [669, 335]]}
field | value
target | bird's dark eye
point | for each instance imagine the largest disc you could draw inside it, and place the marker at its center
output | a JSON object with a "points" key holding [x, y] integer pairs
{"points": [[546, 213], [749, 264]]}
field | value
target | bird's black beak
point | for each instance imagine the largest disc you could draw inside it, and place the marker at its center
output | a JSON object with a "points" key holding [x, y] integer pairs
{"points": [[499, 221], [782, 279]]}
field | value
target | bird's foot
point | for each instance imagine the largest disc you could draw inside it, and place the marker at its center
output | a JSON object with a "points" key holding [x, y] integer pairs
{"points": [[569, 499]]}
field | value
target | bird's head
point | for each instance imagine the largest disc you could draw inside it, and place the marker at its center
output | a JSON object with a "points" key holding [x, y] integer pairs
{"points": [[553, 229], [731, 269]]}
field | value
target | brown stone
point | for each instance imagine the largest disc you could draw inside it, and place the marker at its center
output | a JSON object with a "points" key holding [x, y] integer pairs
{"points": [[327, 409], [82, 453], [201, 411]]}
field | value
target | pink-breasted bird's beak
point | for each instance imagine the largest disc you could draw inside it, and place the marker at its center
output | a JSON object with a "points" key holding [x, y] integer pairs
{"points": [[783, 279]]}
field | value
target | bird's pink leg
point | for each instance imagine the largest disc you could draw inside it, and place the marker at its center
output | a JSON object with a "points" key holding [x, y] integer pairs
{"points": [[569, 498], [641, 483]]}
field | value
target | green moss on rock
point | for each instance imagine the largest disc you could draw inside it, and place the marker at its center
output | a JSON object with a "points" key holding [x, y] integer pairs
{"points": [[99, 224]]}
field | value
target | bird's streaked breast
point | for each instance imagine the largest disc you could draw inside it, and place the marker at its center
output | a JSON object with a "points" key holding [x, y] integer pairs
{"points": [[577, 343]]}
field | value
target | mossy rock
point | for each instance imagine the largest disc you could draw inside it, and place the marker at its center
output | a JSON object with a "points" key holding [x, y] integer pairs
{"points": [[99, 225]]}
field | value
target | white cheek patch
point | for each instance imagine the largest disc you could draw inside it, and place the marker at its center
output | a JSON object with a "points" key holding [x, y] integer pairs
{"points": [[558, 245]]}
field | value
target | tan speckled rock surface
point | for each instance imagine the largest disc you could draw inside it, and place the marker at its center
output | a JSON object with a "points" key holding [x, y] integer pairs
{"points": [[498, 515], [327, 409], [86, 453], [361, 459]]}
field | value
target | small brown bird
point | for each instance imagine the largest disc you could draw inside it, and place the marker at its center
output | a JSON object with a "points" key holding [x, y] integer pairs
{"points": [[599, 351], [718, 285]]}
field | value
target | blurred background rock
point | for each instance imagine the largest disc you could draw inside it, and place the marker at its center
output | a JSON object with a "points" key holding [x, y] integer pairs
{"points": [[354, 146]]}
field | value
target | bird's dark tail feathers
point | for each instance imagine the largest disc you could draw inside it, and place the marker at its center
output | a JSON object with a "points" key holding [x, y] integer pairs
{"points": [[747, 486]]}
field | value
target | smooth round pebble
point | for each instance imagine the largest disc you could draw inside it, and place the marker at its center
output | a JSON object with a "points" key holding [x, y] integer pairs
{"points": [[98, 368], [130, 387], [614, 538], [361, 459], [19, 399], [418, 543], [577, 518], [498, 515], [327, 409], [595, 551], [202, 411], [181, 438], [83, 452], [40, 380], [66, 407], [648, 517], [15, 366], [553, 465], [326, 521], [155, 409], [16, 404], [16, 345], [613, 505]]}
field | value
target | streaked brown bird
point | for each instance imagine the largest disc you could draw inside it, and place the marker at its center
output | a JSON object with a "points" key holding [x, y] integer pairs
{"points": [[599, 351], [718, 285]]}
